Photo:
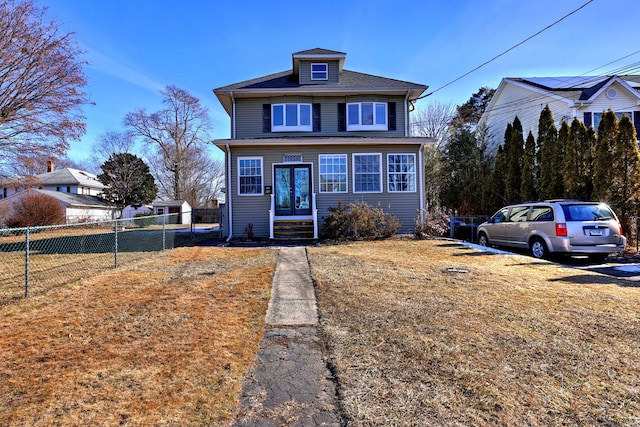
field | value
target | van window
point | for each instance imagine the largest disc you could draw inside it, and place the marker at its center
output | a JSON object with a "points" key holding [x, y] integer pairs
{"points": [[595, 212], [541, 213], [519, 213], [500, 216]]}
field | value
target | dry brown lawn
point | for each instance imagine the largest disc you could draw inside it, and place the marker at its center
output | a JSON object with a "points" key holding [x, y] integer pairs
{"points": [[431, 333], [163, 342]]}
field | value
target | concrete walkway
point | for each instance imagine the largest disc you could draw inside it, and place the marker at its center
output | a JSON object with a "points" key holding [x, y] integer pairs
{"points": [[291, 384]]}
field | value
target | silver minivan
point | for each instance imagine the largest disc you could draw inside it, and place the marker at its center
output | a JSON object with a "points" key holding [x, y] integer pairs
{"points": [[555, 226]]}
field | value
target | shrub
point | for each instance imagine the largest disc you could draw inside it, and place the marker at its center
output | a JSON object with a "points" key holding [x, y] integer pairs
{"points": [[359, 220], [145, 219], [434, 225], [36, 209]]}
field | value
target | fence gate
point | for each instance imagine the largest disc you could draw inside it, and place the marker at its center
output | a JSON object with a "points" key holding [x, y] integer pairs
{"points": [[205, 216]]}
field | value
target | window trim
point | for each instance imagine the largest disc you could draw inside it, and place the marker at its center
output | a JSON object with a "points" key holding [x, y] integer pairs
{"points": [[376, 117], [297, 128], [325, 72], [261, 193], [414, 173], [346, 173], [353, 172]]}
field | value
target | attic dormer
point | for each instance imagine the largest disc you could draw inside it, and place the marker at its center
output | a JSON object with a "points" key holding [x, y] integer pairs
{"points": [[318, 66]]}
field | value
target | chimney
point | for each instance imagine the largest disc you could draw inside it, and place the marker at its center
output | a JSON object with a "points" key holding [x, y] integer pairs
{"points": [[50, 166]]}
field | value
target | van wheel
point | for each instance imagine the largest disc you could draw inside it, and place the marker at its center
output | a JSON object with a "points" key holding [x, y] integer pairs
{"points": [[482, 239], [538, 248]]}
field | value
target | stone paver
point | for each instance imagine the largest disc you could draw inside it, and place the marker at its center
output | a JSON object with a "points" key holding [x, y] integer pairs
{"points": [[291, 384]]}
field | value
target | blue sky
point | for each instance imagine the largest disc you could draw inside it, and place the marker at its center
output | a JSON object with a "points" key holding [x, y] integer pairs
{"points": [[135, 48]]}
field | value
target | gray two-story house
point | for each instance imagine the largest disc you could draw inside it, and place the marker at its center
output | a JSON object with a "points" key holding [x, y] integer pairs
{"points": [[306, 138]]}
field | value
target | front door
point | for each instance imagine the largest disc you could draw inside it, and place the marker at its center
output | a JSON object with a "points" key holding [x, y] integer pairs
{"points": [[293, 189]]}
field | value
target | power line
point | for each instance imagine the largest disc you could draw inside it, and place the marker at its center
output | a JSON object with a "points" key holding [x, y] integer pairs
{"points": [[506, 51]]}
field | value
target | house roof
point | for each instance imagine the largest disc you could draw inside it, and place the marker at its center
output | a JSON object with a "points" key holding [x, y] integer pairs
{"points": [[578, 88], [287, 83], [68, 199], [172, 203], [69, 176]]}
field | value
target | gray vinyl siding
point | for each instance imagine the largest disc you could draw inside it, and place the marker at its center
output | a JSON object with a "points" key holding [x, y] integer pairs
{"points": [[249, 116], [255, 209], [305, 72]]}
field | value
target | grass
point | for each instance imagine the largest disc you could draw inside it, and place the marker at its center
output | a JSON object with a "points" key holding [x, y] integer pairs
{"points": [[433, 333], [164, 342], [418, 333]]}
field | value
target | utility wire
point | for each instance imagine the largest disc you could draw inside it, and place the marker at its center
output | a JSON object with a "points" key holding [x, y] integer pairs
{"points": [[506, 51]]}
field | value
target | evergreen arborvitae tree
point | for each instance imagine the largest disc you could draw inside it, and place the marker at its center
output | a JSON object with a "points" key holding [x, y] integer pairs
{"points": [[494, 199], [547, 141], [464, 172], [625, 169], [557, 162], [603, 156], [515, 154], [528, 182], [577, 163]]}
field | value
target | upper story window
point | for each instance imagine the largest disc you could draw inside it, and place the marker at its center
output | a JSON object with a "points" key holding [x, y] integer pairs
{"points": [[291, 117], [319, 72], [250, 176], [367, 116]]}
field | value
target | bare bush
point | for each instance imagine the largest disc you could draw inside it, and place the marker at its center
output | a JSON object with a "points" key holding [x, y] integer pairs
{"points": [[359, 221], [36, 210]]}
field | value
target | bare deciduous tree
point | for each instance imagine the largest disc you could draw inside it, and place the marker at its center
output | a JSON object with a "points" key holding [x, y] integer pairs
{"points": [[433, 120], [109, 143], [178, 136], [41, 82]]}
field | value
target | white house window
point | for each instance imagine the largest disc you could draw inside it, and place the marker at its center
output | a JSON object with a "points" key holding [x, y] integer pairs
{"points": [[250, 176], [598, 116], [333, 173], [319, 72], [291, 117], [367, 116], [367, 173], [401, 173]]}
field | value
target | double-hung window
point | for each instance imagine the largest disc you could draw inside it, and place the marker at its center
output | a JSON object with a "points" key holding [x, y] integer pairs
{"points": [[401, 173], [367, 173], [319, 72], [333, 173], [291, 117], [250, 176], [367, 116]]}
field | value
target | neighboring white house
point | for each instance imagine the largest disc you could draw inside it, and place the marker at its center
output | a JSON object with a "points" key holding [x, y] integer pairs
{"points": [[167, 207], [66, 180], [77, 207], [585, 98]]}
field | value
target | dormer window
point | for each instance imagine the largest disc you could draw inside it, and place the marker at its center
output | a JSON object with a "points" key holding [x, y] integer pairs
{"points": [[319, 71], [367, 116], [291, 118]]}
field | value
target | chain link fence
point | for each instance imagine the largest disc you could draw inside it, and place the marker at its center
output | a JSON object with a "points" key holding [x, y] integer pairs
{"points": [[36, 259]]}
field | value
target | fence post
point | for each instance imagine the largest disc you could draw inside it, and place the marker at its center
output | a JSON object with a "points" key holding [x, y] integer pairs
{"points": [[115, 248], [26, 264], [164, 232]]}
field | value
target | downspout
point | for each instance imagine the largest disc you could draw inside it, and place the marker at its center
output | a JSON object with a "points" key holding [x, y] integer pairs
{"points": [[421, 169], [229, 162], [406, 112], [229, 194]]}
